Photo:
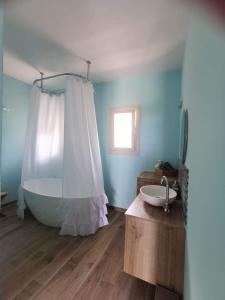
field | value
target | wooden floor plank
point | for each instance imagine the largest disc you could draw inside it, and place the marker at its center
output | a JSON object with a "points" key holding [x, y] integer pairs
{"points": [[6, 221], [105, 271], [91, 260], [37, 263], [49, 272], [80, 264], [22, 255], [15, 282], [8, 210], [28, 291], [9, 227]]}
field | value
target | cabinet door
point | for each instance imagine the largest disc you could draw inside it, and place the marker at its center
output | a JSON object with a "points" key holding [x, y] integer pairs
{"points": [[154, 252], [140, 258]]}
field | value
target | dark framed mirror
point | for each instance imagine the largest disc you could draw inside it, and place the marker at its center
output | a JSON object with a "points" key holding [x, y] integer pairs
{"points": [[184, 136], [183, 170]]}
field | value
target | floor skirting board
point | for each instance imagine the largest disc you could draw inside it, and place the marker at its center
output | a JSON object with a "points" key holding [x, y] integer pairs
{"points": [[118, 209], [9, 203]]}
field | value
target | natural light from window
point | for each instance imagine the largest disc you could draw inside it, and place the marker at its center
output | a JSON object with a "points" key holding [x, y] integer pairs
{"points": [[123, 130], [48, 147]]}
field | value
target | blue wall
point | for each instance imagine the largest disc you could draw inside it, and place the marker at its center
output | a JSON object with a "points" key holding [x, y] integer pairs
{"points": [[16, 97], [204, 97], [158, 96]]}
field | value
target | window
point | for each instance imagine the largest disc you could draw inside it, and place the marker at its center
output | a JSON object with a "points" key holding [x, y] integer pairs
{"points": [[124, 130]]}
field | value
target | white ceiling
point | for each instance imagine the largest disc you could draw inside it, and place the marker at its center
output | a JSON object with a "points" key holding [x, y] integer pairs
{"points": [[119, 37]]}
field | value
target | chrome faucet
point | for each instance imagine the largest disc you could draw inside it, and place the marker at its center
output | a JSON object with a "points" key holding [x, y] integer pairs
{"points": [[166, 207]]}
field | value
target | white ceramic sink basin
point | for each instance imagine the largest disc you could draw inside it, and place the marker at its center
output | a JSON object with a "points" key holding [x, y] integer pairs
{"points": [[156, 194]]}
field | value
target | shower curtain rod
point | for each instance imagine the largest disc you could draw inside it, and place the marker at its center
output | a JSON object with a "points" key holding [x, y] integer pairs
{"points": [[63, 74], [59, 75]]}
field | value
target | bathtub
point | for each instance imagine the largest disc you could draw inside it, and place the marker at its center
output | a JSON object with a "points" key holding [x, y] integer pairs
{"points": [[75, 216], [44, 197]]}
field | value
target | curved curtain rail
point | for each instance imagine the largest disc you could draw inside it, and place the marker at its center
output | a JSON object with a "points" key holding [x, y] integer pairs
{"points": [[59, 75]]}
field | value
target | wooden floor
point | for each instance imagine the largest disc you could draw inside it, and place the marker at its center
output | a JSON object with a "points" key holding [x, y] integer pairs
{"points": [[37, 263]]}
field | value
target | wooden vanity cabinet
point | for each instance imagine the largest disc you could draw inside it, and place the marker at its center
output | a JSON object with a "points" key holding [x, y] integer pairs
{"points": [[154, 244], [147, 178]]}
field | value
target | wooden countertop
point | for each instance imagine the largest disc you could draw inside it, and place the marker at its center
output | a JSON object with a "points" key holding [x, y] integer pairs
{"points": [[3, 194], [143, 210], [150, 175]]}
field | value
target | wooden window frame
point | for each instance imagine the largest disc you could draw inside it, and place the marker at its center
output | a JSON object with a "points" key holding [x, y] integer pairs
{"points": [[135, 110]]}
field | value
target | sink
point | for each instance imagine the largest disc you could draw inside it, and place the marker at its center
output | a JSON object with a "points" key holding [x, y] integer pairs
{"points": [[156, 194]]}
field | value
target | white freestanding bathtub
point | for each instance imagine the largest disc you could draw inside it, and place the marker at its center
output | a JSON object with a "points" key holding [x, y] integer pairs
{"points": [[44, 198], [75, 216]]}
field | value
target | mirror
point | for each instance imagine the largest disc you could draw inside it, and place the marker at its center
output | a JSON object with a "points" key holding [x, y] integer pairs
{"points": [[184, 136]]}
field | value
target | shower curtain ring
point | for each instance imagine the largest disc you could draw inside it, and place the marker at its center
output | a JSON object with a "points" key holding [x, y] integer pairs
{"points": [[88, 68], [42, 75]]}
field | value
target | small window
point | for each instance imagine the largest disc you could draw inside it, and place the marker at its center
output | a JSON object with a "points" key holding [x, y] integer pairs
{"points": [[124, 130]]}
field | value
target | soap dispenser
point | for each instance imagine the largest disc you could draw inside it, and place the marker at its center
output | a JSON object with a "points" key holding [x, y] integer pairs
{"points": [[175, 187]]}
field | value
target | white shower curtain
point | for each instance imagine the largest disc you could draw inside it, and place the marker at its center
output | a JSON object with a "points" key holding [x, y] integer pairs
{"points": [[62, 142], [83, 207], [43, 154]]}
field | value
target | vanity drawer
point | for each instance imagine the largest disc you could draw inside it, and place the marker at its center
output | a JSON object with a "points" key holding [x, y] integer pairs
{"points": [[154, 245]]}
